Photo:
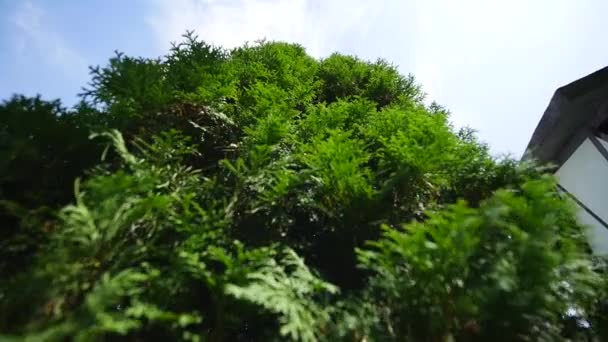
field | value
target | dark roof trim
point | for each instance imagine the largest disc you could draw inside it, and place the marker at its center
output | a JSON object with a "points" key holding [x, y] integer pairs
{"points": [[586, 84], [574, 110], [598, 146]]}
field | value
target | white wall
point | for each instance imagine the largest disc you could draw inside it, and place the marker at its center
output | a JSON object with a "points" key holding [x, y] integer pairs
{"points": [[605, 143], [585, 175]]}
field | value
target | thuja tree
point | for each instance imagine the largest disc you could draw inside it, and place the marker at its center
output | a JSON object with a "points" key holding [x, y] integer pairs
{"points": [[261, 194]]}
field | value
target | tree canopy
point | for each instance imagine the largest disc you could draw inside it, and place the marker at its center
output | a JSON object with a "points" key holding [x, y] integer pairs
{"points": [[259, 193]]}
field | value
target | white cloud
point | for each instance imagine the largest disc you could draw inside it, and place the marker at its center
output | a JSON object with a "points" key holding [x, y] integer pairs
{"points": [[494, 64], [33, 33], [319, 26]]}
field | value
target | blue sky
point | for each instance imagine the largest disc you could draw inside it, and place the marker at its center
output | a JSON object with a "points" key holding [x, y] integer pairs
{"points": [[494, 64]]}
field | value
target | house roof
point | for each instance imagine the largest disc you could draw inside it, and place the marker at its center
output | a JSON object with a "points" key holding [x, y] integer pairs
{"points": [[574, 111]]}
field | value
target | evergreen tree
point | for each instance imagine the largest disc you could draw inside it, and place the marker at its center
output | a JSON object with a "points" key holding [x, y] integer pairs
{"points": [[261, 194]]}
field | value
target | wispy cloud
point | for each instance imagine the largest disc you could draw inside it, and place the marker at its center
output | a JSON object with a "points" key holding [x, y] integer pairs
{"points": [[319, 26], [32, 33]]}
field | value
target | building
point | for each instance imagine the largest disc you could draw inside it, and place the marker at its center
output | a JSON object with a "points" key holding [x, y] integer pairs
{"points": [[573, 135]]}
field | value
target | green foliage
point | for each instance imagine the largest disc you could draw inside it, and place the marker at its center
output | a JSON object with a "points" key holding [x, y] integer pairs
{"points": [[195, 66], [288, 294], [341, 115], [43, 147], [286, 66], [342, 76], [129, 86], [260, 194], [508, 266], [337, 164]]}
